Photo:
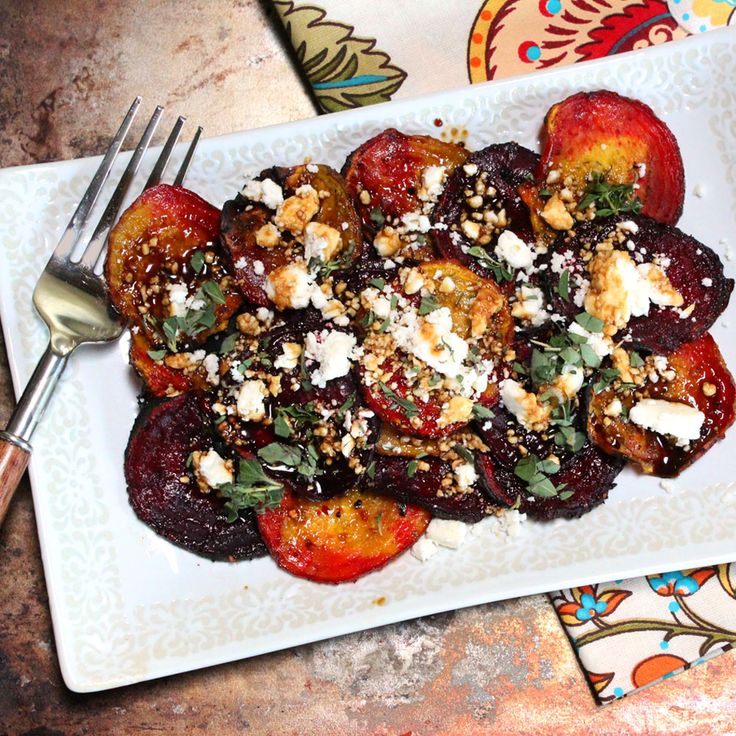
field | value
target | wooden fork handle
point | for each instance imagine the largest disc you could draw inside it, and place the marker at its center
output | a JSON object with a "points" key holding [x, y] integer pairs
{"points": [[14, 456]]}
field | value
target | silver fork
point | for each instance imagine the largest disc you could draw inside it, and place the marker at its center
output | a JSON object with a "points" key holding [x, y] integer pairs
{"points": [[71, 295]]}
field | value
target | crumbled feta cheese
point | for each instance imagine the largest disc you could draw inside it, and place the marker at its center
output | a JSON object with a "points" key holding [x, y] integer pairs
{"points": [[424, 548], [699, 190], [178, 294], [289, 358], [433, 178], [266, 191], [416, 222], [470, 169], [447, 532], [312, 168], [387, 242], [570, 380], [628, 226], [258, 268], [263, 314], [290, 286], [667, 485], [509, 524], [212, 469], [674, 418], [211, 364], [614, 408], [466, 475], [333, 351], [707, 282], [512, 249], [241, 263], [529, 305], [555, 214], [321, 241], [250, 404], [525, 406]]}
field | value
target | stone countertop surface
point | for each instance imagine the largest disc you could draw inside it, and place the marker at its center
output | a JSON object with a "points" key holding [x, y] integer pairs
{"points": [[67, 70]]}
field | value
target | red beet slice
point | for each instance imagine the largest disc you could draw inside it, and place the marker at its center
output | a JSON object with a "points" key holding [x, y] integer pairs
{"points": [[606, 133], [389, 167], [164, 435], [342, 538], [241, 219], [248, 437], [391, 478], [589, 474], [506, 166], [699, 370], [692, 265]]}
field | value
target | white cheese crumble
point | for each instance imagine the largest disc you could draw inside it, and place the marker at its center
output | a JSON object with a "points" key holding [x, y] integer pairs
{"points": [[433, 178], [529, 305], [258, 268], [416, 222], [512, 249], [447, 532], [290, 286], [266, 191], [681, 421], [424, 548], [250, 401], [211, 364], [699, 190], [466, 475], [289, 358], [333, 351], [241, 262], [211, 468]]}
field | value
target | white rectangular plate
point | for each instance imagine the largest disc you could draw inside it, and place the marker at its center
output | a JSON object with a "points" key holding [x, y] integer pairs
{"points": [[128, 606]]}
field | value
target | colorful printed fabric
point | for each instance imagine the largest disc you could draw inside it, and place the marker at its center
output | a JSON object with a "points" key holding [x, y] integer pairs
{"points": [[631, 633], [359, 53]]}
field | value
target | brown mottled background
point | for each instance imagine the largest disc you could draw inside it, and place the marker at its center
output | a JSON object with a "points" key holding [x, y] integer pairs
{"points": [[67, 71]]}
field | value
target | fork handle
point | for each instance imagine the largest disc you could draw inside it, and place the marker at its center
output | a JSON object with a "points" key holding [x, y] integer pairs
{"points": [[15, 448], [14, 456]]}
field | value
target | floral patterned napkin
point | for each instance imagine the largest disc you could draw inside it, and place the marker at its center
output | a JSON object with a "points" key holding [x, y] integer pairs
{"points": [[631, 633]]}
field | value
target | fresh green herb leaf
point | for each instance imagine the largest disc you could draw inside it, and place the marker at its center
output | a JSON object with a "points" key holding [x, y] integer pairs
{"points": [[214, 292], [379, 522], [606, 377], [228, 344], [197, 261], [409, 407], [377, 217], [156, 354], [563, 285], [253, 489], [635, 359], [281, 426], [589, 356], [609, 199], [464, 453], [277, 453], [411, 468], [545, 192], [589, 322], [434, 379], [371, 471], [378, 283], [482, 412], [427, 305], [500, 271]]}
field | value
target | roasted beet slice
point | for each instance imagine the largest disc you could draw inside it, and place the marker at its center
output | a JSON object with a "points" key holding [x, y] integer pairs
{"points": [[307, 408], [622, 139], [160, 378], [479, 313], [701, 379], [497, 172], [242, 218], [395, 477], [151, 251], [341, 539], [693, 269], [389, 167], [589, 475], [163, 437]]}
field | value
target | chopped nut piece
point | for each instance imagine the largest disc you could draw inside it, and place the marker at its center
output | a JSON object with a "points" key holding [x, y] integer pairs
{"points": [[709, 389]]}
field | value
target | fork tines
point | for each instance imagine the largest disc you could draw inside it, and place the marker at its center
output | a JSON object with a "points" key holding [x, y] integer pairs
{"points": [[74, 234]]}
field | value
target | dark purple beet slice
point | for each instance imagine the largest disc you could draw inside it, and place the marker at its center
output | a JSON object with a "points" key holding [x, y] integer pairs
{"points": [[391, 478], [509, 165], [589, 474], [163, 437], [248, 437], [662, 330]]}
